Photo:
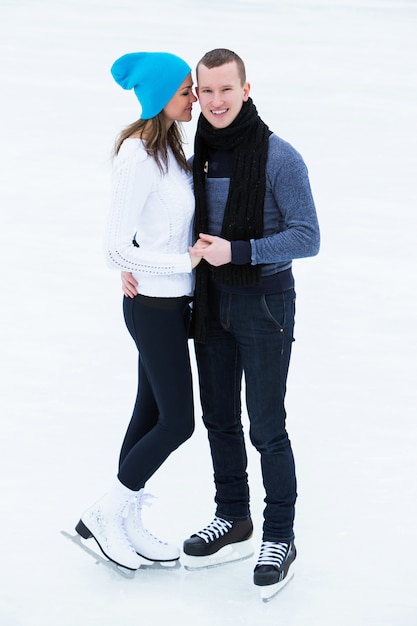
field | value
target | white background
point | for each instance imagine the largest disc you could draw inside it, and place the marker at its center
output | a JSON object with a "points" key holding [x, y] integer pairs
{"points": [[336, 79]]}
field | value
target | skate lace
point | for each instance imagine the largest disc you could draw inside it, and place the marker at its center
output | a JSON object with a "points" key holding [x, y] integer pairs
{"points": [[146, 498], [136, 503], [121, 527], [272, 553], [127, 505], [217, 528]]}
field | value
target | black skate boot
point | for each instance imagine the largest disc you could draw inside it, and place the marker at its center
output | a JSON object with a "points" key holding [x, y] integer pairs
{"points": [[222, 541], [272, 569]]}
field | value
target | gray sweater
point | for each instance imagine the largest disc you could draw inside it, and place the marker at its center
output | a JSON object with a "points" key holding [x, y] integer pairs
{"points": [[291, 229]]}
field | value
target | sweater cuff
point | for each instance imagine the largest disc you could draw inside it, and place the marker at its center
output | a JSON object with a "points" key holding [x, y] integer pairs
{"points": [[185, 264], [241, 252]]}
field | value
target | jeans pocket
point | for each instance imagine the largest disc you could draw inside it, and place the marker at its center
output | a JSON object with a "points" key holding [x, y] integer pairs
{"points": [[280, 309]]}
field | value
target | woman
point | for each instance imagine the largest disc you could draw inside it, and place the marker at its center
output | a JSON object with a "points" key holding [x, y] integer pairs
{"points": [[149, 232]]}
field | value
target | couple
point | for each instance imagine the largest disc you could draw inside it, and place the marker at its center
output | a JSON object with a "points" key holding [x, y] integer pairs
{"points": [[217, 237]]}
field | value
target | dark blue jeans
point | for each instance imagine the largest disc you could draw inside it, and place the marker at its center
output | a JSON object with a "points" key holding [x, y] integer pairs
{"points": [[250, 334], [163, 415]]}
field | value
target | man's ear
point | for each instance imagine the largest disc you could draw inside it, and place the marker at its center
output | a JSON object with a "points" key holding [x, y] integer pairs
{"points": [[246, 90]]}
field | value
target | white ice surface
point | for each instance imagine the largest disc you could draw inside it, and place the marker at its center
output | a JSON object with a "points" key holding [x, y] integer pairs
{"points": [[338, 80]]}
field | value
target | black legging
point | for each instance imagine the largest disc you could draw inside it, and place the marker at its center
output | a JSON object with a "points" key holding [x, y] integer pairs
{"points": [[163, 416]]}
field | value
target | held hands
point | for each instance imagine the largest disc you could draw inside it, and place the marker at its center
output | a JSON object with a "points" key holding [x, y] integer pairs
{"points": [[195, 252], [215, 250]]}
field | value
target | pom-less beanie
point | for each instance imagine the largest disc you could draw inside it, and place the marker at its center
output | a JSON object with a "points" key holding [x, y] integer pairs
{"points": [[154, 77]]}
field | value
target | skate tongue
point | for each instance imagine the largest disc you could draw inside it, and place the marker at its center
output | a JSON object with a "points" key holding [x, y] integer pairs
{"points": [[146, 499], [217, 528], [272, 553], [136, 502]]}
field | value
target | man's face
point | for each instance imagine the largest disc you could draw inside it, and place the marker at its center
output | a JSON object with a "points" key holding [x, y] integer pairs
{"points": [[221, 93]]}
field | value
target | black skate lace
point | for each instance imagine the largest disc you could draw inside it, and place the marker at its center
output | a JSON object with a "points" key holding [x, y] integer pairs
{"points": [[272, 553], [217, 528]]}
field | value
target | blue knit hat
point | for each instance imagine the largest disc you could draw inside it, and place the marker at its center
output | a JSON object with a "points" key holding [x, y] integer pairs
{"points": [[154, 77]]}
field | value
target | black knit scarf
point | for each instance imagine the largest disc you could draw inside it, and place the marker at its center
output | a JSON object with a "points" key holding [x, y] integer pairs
{"points": [[247, 137]]}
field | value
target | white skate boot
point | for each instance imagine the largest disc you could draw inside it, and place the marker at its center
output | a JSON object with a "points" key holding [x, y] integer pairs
{"points": [[105, 522], [145, 544]]}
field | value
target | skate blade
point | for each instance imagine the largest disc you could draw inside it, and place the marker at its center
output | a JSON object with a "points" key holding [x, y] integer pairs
{"points": [[167, 565], [99, 558], [231, 553], [270, 591]]}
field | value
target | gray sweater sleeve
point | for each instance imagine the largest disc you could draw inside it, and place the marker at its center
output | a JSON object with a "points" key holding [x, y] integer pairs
{"points": [[291, 229]]}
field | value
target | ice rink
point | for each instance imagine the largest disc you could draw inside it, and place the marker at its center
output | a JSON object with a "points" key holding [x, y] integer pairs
{"points": [[336, 79]]}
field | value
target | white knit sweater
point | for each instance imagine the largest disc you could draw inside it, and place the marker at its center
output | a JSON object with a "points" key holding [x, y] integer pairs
{"points": [[156, 210]]}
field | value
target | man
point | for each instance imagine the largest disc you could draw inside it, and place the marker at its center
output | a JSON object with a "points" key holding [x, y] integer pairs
{"points": [[254, 215]]}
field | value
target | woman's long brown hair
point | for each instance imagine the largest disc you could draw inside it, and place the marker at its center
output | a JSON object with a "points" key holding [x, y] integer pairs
{"points": [[157, 139]]}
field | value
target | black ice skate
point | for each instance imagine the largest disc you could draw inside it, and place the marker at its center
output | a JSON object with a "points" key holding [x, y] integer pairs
{"points": [[220, 542], [272, 569]]}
